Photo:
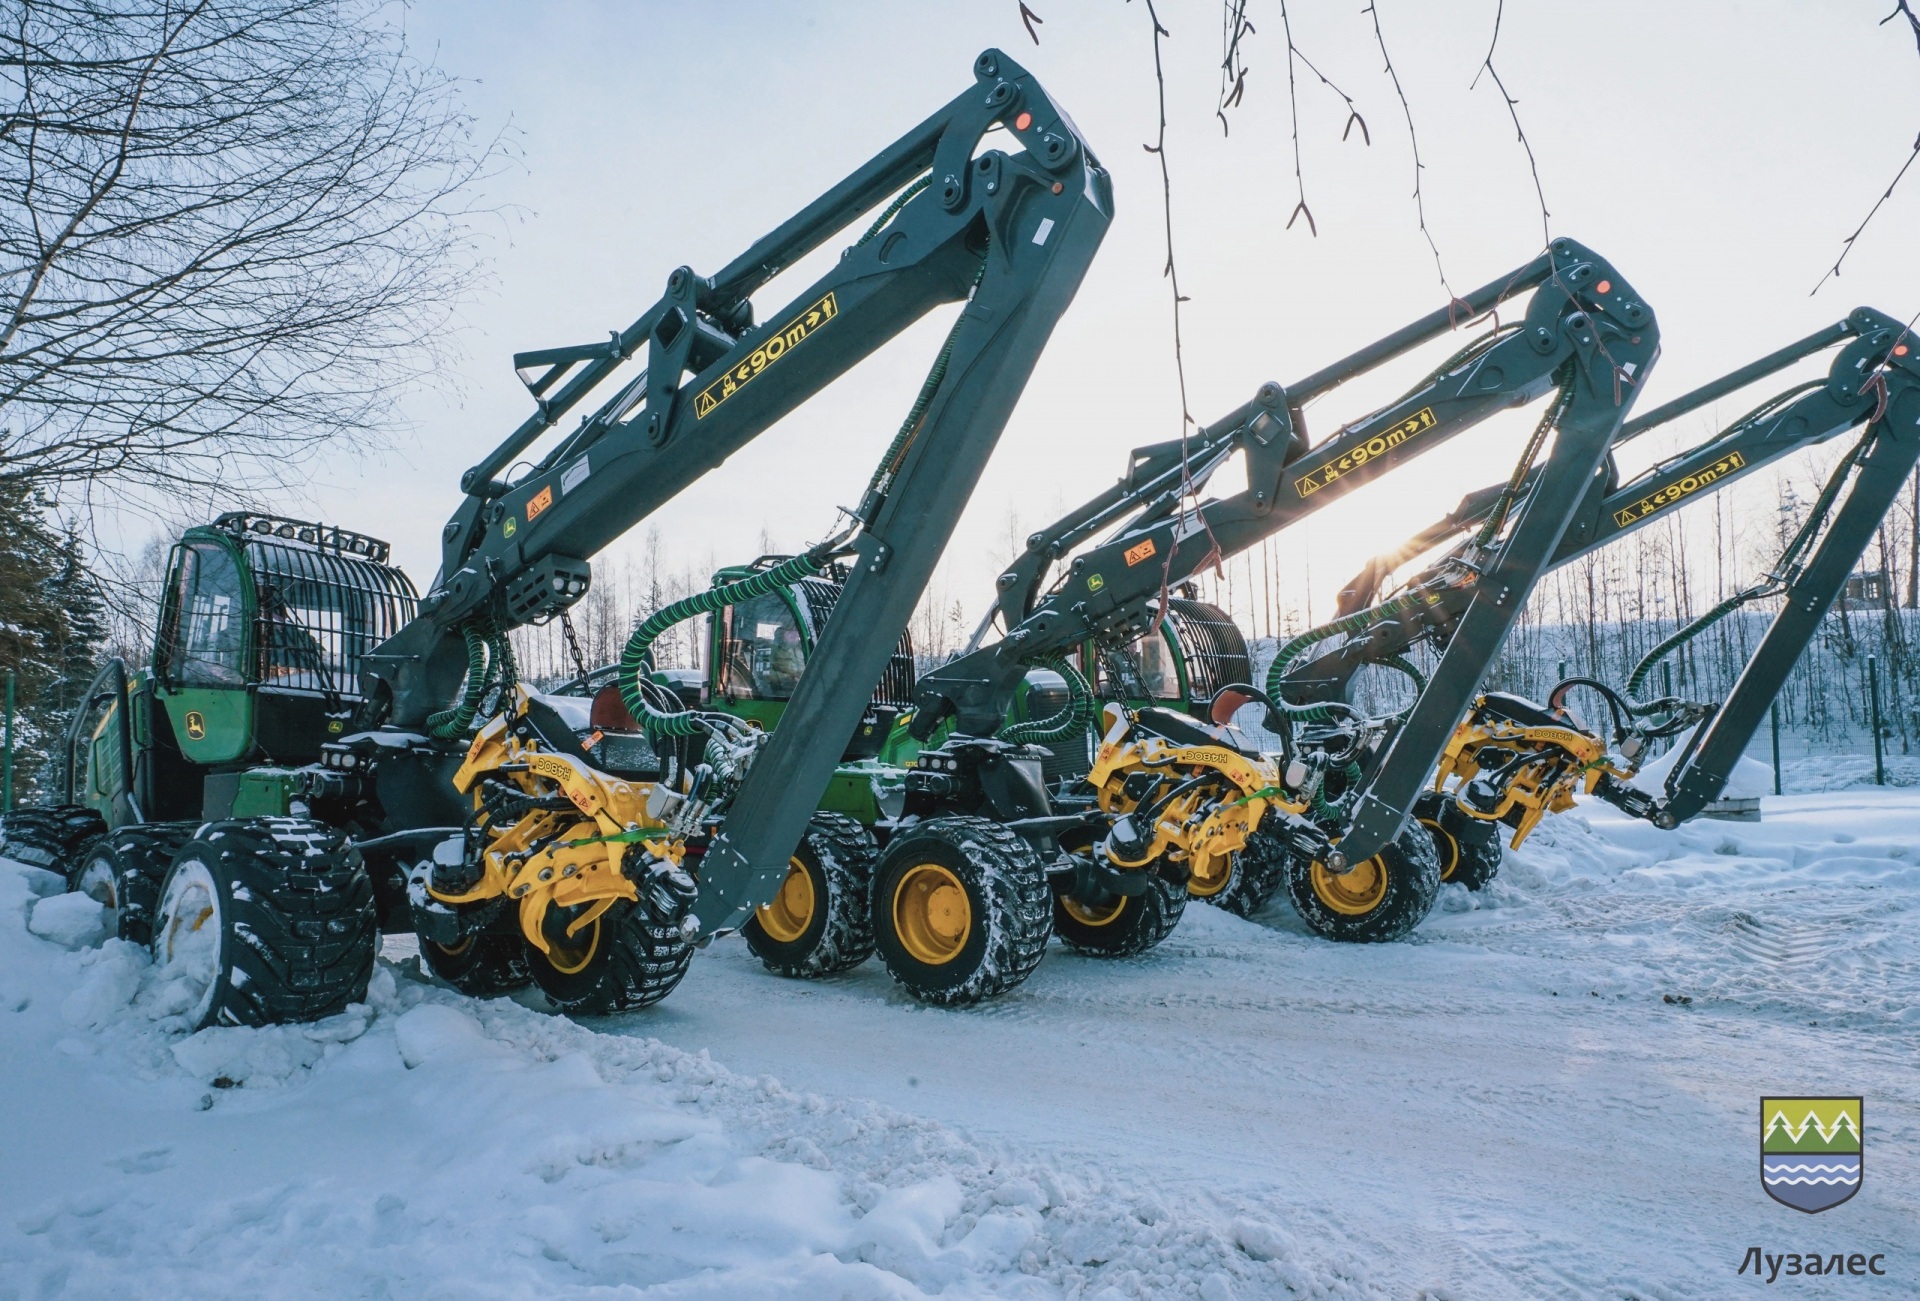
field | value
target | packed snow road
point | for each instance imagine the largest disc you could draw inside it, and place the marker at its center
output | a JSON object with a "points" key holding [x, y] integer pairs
{"points": [[1552, 1090]]}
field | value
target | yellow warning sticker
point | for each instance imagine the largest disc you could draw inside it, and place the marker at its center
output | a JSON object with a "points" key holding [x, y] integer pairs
{"points": [[1135, 555], [777, 345], [1679, 490], [1353, 458], [539, 502]]}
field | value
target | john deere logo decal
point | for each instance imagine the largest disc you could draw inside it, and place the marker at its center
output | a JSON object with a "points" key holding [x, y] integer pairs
{"points": [[196, 725], [1810, 1151]]}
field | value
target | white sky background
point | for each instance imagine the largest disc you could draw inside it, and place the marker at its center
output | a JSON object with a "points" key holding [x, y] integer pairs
{"points": [[1716, 152]]}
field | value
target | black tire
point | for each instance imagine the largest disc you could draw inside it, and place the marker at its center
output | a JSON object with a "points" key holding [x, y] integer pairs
{"points": [[1373, 902], [623, 960], [487, 964], [293, 931], [1000, 918], [1256, 875], [1468, 848], [1131, 925], [123, 870], [49, 838], [822, 919]]}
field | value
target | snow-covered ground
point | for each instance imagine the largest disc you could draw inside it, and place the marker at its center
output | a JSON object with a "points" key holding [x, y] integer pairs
{"points": [[1552, 1090]]}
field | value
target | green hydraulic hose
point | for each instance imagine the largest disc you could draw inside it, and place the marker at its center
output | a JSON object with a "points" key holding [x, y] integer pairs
{"points": [[1406, 666], [893, 209], [660, 723], [1782, 574], [451, 723], [1074, 718], [1357, 622]]}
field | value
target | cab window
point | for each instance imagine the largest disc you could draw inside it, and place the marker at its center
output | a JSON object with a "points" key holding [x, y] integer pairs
{"points": [[205, 630], [1143, 671], [760, 652]]}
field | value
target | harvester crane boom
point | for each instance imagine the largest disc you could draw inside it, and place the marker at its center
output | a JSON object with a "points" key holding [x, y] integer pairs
{"points": [[1803, 416], [1585, 332], [1872, 385], [1008, 233]]}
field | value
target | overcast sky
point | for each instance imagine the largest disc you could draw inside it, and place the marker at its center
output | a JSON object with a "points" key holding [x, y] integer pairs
{"points": [[1716, 152]]}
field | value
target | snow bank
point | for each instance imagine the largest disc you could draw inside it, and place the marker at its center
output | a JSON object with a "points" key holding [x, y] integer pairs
{"points": [[428, 1144], [1750, 778]]}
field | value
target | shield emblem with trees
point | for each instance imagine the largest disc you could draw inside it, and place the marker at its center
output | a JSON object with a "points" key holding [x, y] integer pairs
{"points": [[1810, 1151]]}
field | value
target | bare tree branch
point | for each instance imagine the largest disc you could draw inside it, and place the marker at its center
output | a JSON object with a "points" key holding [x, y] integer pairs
{"points": [[1901, 9], [1513, 111], [1419, 198], [230, 232]]}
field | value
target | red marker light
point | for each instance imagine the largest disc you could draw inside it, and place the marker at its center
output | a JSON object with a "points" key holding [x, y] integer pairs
{"points": [[1022, 122], [1900, 350], [1604, 287]]}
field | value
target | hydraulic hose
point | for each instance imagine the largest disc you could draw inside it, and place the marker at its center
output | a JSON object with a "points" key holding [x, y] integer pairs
{"points": [[451, 723], [1075, 717], [1776, 581], [896, 453], [1548, 419], [635, 660], [1359, 621]]}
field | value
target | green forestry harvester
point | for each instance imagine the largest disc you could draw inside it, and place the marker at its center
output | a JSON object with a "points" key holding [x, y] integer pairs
{"points": [[1512, 760], [314, 755]]}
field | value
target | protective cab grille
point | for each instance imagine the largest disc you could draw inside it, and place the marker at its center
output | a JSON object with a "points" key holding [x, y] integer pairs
{"points": [[322, 603]]}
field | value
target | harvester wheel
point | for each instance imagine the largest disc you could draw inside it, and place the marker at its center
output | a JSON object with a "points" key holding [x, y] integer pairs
{"points": [[1127, 925], [1469, 848], [623, 959], [50, 838], [821, 921], [1372, 902], [124, 869], [961, 910], [484, 964], [1255, 875], [264, 921]]}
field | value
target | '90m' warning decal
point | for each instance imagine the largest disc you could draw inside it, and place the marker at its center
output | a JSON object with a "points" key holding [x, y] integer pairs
{"points": [[778, 344], [1379, 445], [1680, 489]]}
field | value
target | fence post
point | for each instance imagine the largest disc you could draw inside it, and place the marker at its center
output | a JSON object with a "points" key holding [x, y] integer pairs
{"points": [[6, 756], [1873, 697], [1775, 712]]}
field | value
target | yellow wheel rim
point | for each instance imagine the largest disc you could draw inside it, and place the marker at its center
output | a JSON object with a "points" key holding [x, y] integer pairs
{"points": [[1448, 847], [453, 950], [1211, 872], [1088, 915], [570, 957], [1355, 892], [931, 914], [786, 918]]}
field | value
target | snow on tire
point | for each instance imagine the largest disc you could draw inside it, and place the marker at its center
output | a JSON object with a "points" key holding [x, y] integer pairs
{"points": [[821, 921], [123, 870], [1258, 872], [265, 921], [1129, 925], [1469, 849], [961, 910], [1373, 902], [622, 960], [49, 838]]}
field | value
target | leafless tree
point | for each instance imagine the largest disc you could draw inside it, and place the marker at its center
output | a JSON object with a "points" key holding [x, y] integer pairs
{"points": [[230, 231]]}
